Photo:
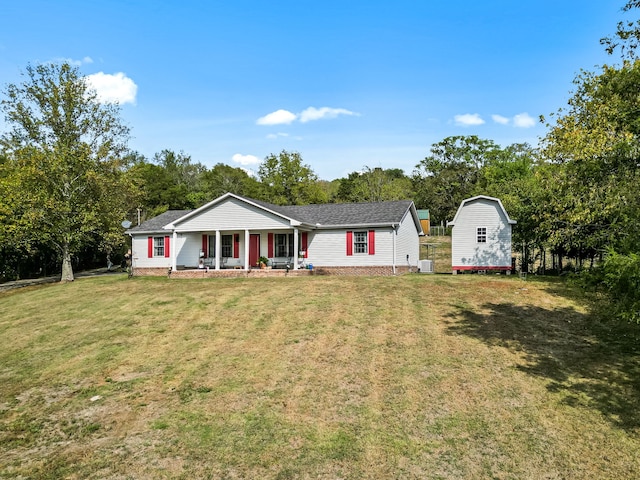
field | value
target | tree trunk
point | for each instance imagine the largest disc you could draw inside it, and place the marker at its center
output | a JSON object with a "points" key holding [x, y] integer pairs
{"points": [[67, 268]]}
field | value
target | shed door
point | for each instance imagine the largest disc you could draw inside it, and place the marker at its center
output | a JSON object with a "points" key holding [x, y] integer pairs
{"points": [[254, 249]]}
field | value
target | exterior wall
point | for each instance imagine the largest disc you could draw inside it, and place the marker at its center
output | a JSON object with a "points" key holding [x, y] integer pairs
{"points": [[233, 215], [426, 226], [328, 248], [407, 243], [466, 252], [139, 250]]}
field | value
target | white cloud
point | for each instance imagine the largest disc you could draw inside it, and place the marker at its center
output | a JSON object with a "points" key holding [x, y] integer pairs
{"points": [[500, 119], [71, 61], [524, 120], [113, 88], [245, 159], [273, 136], [285, 117], [313, 113], [279, 117], [468, 119]]}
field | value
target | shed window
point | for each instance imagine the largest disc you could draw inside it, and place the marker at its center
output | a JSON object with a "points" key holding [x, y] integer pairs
{"points": [[481, 236], [360, 242]]}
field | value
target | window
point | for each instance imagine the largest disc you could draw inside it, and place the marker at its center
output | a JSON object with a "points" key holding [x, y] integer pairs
{"points": [[284, 244], [360, 242], [158, 246], [481, 235], [227, 246]]}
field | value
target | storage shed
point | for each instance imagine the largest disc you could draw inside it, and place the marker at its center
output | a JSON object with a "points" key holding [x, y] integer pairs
{"points": [[425, 221], [481, 236]]}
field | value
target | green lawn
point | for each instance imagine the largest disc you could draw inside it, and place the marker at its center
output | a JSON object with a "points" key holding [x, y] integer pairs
{"points": [[419, 376]]}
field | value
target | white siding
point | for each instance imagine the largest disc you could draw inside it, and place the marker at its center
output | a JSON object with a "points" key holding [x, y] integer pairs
{"points": [[328, 248], [188, 249], [466, 251], [232, 214], [140, 252], [407, 243]]}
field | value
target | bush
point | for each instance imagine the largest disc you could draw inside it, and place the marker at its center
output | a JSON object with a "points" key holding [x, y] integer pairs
{"points": [[621, 279]]}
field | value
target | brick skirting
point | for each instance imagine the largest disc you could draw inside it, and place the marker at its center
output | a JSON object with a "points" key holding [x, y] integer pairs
{"points": [[372, 271], [255, 272]]}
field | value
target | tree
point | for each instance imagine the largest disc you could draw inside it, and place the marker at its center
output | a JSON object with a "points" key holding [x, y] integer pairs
{"points": [[375, 185], [223, 178], [597, 141], [288, 181], [627, 36], [63, 158], [448, 176]]}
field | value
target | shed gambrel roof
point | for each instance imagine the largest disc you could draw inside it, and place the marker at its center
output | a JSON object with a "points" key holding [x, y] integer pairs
{"points": [[330, 215], [481, 197]]}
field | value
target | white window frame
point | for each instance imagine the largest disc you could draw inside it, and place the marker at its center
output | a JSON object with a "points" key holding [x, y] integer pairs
{"points": [[361, 242], [283, 249], [226, 245], [158, 247], [481, 234]]}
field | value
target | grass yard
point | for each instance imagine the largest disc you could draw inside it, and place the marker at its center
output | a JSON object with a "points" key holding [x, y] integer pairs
{"points": [[419, 376]]}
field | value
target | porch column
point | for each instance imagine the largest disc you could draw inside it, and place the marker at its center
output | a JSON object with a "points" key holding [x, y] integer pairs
{"points": [[218, 250], [247, 239], [295, 248], [174, 251]]}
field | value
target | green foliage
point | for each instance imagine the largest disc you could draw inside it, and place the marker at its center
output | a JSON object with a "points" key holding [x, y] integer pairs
{"points": [[62, 171], [375, 185], [287, 181], [627, 36], [621, 278], [449, 175]]}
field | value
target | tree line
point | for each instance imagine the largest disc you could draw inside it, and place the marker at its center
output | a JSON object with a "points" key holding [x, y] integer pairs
{"points": [[67, 179]]}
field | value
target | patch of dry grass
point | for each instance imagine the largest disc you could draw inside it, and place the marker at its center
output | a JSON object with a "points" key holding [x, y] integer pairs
{"points": [[317, 377]]}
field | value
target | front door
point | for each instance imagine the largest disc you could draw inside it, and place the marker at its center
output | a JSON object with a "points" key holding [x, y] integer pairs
{"points": [[254, 249]]}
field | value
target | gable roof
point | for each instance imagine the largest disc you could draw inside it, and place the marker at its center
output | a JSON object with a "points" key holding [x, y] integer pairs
{"points": [[481, 197], [329, 215], [157, 223]]}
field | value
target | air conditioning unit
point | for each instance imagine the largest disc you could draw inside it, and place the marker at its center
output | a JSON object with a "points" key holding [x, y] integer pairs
{"points": [[425, 266]]}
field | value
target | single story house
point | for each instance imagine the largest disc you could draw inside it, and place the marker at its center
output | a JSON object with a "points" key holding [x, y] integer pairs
{"points": [[481, 236], [232, 233]]}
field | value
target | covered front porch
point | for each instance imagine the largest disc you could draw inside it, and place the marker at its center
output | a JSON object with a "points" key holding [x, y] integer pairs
{"points": [[244, 251]]}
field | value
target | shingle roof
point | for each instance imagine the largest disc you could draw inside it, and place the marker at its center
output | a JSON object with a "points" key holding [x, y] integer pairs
{"points": [[155, 224], [323, 215], [341, 214]]}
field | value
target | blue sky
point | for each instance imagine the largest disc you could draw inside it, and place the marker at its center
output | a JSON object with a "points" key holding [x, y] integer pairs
{"points": [[348, 84]]}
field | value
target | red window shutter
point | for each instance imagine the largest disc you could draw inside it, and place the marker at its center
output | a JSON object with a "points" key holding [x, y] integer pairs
{"points": [[349, 243], [304, 244], [236, 246], [270, 245], [166, 247], [150, 247], [205, 245], [372, 242]]}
